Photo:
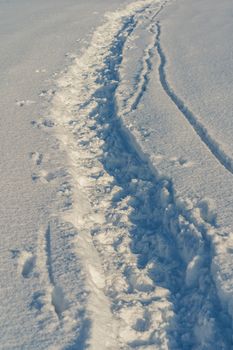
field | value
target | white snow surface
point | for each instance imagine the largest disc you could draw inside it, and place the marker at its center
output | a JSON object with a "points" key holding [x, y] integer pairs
{"points": [[116, 191]]}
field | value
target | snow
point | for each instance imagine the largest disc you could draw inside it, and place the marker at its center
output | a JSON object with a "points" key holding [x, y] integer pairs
{"points": [[121, 193]]}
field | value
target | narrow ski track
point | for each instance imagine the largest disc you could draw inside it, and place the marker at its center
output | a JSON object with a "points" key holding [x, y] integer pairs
{"points": [[200, 129], [147, 63], [155, 256]]}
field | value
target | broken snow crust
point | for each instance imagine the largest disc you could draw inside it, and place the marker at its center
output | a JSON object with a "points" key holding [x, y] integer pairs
{"points": [[134, 250], [158, 263]]}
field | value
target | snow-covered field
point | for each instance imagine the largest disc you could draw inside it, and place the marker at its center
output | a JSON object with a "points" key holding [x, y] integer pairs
{"points": [[116, 175]]}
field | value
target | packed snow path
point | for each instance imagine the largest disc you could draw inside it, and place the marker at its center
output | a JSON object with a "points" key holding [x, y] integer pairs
{"points": [[119, 259], [124, 263]]}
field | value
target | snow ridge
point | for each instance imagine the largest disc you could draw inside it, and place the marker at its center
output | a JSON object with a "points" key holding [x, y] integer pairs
{"points": [[153, 276], [214, 147]]}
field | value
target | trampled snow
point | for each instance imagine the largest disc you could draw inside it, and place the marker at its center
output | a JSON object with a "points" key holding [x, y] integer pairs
{"points": [[117, 175]]}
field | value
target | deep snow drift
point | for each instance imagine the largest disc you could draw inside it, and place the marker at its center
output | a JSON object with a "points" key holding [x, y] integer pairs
{"points": [[135, 248]]}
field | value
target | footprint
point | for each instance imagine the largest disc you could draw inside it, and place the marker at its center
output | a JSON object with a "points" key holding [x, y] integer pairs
{"points": [[38, 300], [58, 300], [65, 192], [43, 176], [181, 162], [36, 157], [43, 70], [47, 122], [26, 263], [15, 253], [46, 176], [145, 132], [34, 124], [70, 55], [184, 162], [48, 93], [24, 103]]}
